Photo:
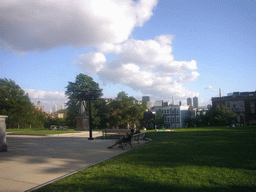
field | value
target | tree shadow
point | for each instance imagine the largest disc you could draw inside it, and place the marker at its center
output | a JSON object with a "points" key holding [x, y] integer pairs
{"points": [[123, 183], [57, 154]]}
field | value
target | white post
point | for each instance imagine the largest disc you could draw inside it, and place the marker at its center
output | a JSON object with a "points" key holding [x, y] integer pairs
{"points": [[3, 146]]}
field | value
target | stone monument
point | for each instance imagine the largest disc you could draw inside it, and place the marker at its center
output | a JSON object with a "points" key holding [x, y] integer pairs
{"points": [[3, 146], [82, 121]]}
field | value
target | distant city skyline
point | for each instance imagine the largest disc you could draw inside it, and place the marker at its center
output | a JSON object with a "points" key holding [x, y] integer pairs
{"points": [[163, 49]]}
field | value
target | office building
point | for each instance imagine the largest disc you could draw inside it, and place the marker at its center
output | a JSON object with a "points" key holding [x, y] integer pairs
{"points": [[147, 100], [195, 102], [54, 108], [189, 101]]}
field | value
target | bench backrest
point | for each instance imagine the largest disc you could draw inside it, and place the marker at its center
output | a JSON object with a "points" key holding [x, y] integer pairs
{"points": [[118, 130], [139, 135]]}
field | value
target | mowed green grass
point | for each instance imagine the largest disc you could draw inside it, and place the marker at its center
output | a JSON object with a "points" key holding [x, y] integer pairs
{"points": [[185, 160], [38, 131]]}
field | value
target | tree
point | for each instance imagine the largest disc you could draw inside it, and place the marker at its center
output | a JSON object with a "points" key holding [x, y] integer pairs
{"points": [[159, 120], [148, 120], [82, 83], [17, 106], [124, 111], [221, 116], [214, 117]]}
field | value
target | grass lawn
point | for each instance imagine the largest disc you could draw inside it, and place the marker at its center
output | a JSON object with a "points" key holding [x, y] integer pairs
{"points": [[38, 131], [212, 159]]}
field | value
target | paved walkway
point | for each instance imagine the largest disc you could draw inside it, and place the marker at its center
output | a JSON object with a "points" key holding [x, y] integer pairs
{"points": [[34, 160]]}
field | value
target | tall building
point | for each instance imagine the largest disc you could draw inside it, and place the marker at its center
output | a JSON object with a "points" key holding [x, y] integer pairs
{"points": [[195, 102], [147, 100], [62, 107], [54, 108], [189, 101]]}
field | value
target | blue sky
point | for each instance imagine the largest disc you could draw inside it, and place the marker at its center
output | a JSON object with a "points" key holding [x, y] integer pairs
{"points": [[163, 49]]}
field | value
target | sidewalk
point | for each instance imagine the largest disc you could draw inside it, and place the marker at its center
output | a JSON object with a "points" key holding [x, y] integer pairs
{"points": [[34, 160]]}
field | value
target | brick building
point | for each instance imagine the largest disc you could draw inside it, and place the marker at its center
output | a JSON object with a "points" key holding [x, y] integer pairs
{"points": [[242, 103]]}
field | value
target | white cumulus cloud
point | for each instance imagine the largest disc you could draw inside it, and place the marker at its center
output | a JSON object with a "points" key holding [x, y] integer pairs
{"points": [[91, 62], [210, 88], [147, 66], [105, 25], [40, 25]]}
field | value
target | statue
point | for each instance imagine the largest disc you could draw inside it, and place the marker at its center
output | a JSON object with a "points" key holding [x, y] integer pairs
{"points": [[82, 106]]}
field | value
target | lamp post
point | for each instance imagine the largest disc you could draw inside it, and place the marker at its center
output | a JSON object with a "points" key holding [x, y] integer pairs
{"points": [[89, 95]]}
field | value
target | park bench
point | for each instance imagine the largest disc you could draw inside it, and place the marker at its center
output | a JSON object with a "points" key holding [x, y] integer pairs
{"points": [[136, 137], [114, 131]]}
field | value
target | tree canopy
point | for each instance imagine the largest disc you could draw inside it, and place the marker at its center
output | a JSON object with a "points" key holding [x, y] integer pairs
{"points": [[125, 111], [15, 103], [82, 83], [214, 117]]}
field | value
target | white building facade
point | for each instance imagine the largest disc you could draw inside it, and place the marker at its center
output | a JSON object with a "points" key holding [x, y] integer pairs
{"points": [[174, 115]]}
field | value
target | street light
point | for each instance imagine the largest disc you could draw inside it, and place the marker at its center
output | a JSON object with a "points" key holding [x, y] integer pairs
{"points": [[89, 95]]}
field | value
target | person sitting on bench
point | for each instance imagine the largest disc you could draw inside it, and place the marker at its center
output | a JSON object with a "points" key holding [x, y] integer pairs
{"points": [[137, 130], [127, 137]]}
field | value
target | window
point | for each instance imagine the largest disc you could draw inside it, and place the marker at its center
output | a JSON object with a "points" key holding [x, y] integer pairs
{"points": [[173, 119], [228, 104], [167, 119], [168, 111], [172, 110], [241, 104], [164, 111], [177, 119], [177, 112]]}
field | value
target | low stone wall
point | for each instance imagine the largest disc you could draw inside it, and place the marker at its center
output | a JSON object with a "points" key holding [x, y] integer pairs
{"points": [[3, 146]]}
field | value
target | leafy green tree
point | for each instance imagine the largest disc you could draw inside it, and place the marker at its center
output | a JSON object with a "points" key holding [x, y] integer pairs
{"points": [[17, 106], [214, 117], [159, 120], [82, 83], [148, 120], [221, 116], [125, 111]]}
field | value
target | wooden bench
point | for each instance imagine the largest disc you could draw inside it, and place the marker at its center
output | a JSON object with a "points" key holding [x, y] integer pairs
{"points": [[136, 137], [109, 131]]}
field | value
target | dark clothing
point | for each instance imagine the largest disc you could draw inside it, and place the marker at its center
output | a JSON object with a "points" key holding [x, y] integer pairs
{"points": [[129, 135], [137, 131]]}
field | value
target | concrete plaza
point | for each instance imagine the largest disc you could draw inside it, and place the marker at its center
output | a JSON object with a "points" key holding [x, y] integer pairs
{"points": [[32, 161]]}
